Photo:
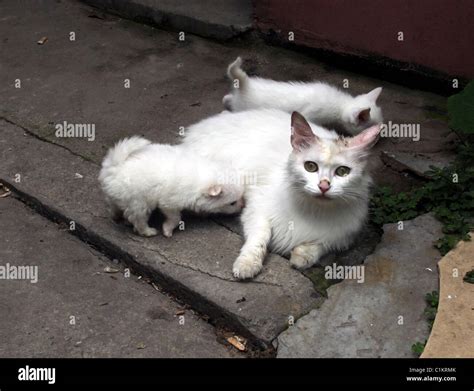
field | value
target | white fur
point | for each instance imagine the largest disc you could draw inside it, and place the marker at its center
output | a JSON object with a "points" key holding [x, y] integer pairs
{"points": [[319, 102], [284, 209], [138, 176]]}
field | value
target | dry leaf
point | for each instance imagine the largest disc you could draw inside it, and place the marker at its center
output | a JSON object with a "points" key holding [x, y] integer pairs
{"points": [[42, 41], [180, 312], [4, 191], [109, 269], [237, 342], [141, 345]]}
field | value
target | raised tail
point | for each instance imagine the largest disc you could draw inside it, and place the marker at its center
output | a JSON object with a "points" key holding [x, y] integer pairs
{"points": [[122, 150], [235, 72]]}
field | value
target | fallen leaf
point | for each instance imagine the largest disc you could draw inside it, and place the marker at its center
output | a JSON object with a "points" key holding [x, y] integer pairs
{"points": [[180, 312], [4, 191], [42, 41], [237, 342], [78, 176], [109, 269], [141, 345]]}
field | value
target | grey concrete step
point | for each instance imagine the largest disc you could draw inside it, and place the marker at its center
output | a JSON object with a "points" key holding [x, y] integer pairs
{"points": [[380, 314], [195, 265], [215, 19], [77, 304]]}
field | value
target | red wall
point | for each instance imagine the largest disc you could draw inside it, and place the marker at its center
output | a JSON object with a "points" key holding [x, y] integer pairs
{"points": [[438, 34]]}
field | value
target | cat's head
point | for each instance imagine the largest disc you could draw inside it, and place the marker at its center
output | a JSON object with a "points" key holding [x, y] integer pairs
{"points": [[362, 112], [330, 168], [221, 198]]}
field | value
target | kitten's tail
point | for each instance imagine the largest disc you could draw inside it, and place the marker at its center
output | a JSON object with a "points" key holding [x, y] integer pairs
{"points": [[235, 72], [122, 150]]}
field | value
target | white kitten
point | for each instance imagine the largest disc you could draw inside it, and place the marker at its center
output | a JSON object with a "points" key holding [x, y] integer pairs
{"points": [[319, 102], [138, 176], [311, 195]]}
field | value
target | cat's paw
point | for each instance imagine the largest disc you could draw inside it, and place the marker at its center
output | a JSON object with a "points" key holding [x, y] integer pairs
{"points": [[246, 266], [149, 231], [168, 231], [302, 258]]}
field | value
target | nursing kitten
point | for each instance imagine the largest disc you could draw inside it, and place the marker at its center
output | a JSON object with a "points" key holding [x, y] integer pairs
{"points": [[311, 190], [138, 177], [319, 102]]}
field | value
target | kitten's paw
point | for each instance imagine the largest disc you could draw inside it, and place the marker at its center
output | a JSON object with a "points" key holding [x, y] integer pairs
{"points": [[148, 231], [302, 259], [168, 232], [246, 266]]}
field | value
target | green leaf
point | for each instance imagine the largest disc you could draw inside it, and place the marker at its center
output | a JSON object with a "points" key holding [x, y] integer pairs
{"points": [[461, 110], [469, 277]]}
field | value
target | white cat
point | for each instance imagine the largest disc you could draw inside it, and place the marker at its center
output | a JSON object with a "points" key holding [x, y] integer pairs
{"points": [[318, 102], [310, 195], [138, 176]]}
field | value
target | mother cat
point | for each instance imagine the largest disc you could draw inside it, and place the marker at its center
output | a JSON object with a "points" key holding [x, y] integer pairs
{"points": [[312, 186]]}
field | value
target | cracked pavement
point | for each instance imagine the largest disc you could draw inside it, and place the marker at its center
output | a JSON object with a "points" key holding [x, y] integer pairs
{"points": [[172, 84]]}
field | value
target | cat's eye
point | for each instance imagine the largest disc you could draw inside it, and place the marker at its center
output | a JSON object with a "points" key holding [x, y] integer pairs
{"points": [[310, 166], [343, 171]]}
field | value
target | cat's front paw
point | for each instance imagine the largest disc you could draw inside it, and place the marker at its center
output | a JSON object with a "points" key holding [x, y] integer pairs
{"points": [[302, 258], [246, 266], [168, 229]]}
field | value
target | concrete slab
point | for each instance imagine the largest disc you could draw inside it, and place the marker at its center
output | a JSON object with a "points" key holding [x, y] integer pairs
{"points": [[215, 19], [418, 163], [435, 147], [195, 265], [77, 309], [383, 316], [172, 84]]}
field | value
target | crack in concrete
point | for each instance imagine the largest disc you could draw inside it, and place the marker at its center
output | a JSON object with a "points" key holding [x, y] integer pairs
{"points": [[36, 136], [224, 226], [188, 266]]}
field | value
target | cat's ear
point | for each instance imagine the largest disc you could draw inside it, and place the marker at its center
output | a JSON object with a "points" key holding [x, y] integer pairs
{"points": [[214, 191], [366, 139], [374, 94], [360, 115], [363, 115], [301, 134]]}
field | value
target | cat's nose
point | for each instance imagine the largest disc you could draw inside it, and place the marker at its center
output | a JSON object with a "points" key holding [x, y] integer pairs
{"points": [[324, 186]]}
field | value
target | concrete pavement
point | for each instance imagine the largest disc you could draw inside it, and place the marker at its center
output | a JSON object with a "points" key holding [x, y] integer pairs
{"points": [[83, 305], [124, 79]]}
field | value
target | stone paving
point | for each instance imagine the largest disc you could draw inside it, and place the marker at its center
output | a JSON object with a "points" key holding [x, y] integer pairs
{"points": [[174, 84]]}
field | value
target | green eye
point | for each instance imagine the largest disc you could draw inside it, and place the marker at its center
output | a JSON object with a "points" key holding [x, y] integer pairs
{"points": [[343, 171], [310, 166]]}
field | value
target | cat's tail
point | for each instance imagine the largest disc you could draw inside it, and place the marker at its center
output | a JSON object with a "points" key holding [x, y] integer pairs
{"points": [[235, 72], [122, 150]]}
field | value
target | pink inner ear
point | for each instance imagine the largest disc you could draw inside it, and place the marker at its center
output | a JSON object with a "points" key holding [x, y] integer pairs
{"points": [[365, 139], [364, 115], [301, 133]]}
